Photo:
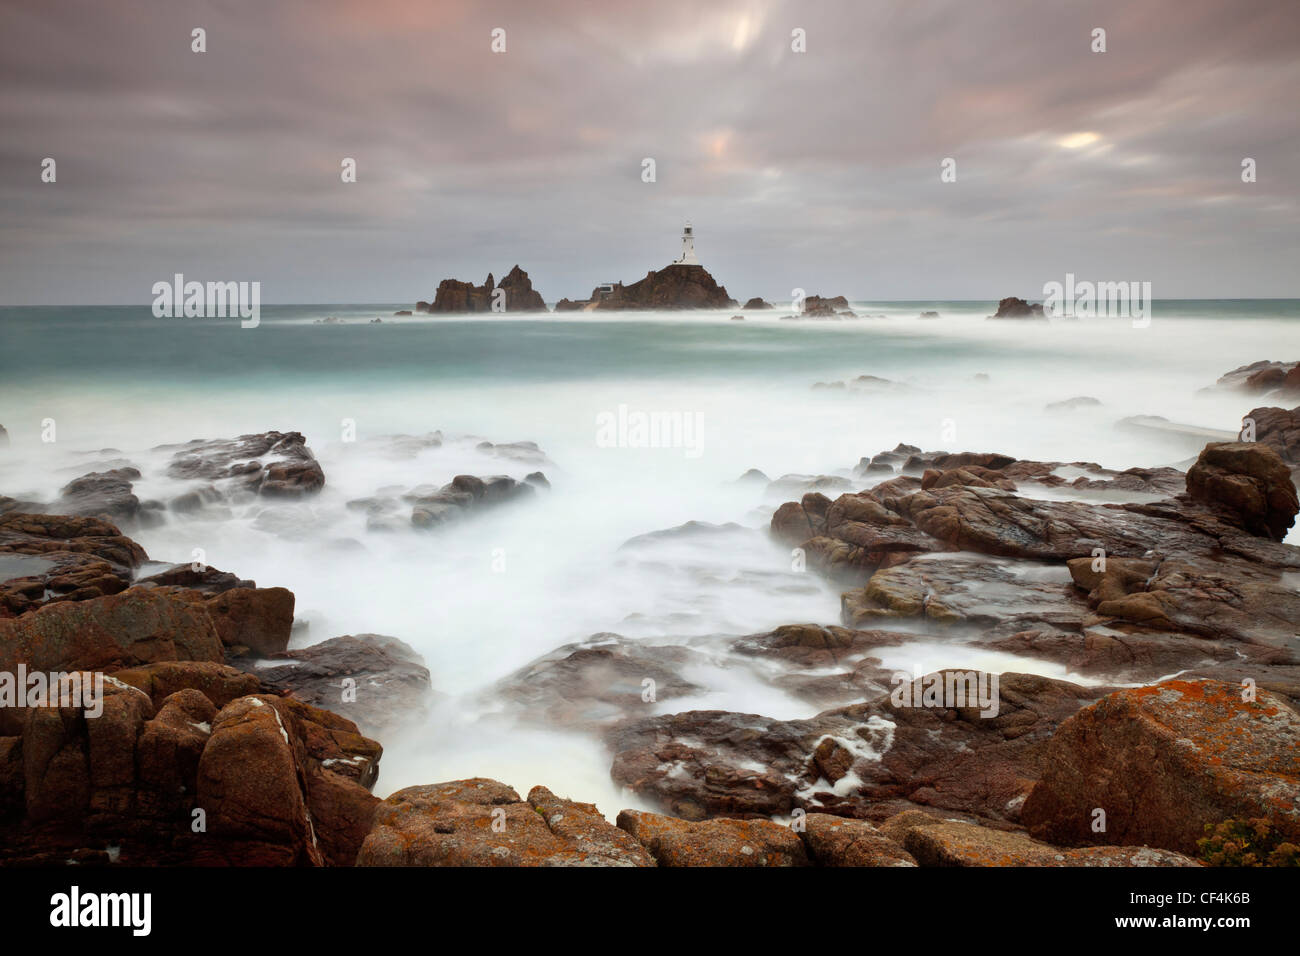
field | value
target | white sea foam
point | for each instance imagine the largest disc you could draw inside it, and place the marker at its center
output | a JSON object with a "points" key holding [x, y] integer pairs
{"points": [[565, 576]]}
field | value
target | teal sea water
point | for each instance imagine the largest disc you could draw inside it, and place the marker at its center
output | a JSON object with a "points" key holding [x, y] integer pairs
{"points": [[104, 342], [484, 598]]}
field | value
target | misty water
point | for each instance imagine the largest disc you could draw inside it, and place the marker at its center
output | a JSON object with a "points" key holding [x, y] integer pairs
{"points": [[484, 597]]}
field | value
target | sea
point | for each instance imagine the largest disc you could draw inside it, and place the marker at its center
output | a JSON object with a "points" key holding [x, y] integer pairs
{"points": [[482, 598]]}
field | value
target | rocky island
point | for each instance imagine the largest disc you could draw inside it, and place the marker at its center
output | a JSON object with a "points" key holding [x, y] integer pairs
{"points": [[684, 284], [514, 293]]}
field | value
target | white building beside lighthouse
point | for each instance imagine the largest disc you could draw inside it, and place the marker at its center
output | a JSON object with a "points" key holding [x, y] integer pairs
{"points": [[688, 249]]}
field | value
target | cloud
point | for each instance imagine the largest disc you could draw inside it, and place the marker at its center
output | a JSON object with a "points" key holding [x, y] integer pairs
{"points": [[817, 169]]}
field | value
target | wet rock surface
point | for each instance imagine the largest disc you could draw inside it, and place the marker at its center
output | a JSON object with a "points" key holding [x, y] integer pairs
{"points": [[1250, 483], [107, 494], [1114, 577], [427, 507], [881, 757], [590, 685], [271, 464], [1262, 377], [49, 558], [376, 681]]}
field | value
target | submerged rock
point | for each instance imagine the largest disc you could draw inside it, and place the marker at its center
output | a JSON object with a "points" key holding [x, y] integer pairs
{"points": [[1070, 404], [389, 684], [594, 684], [432, 507], [290, 471], [107, 494]]}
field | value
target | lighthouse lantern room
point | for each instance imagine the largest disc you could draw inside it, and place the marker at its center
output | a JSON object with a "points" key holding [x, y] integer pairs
{"points": [[688, 249]]}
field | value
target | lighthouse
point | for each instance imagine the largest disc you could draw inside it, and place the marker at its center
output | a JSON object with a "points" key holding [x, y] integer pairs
{"points": [[688, 249]]}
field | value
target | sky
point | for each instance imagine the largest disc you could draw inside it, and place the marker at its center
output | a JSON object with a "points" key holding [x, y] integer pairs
{"points": [[818, 170]]}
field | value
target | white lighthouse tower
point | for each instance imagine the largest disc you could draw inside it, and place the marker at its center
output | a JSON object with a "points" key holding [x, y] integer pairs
{"points": [[688, 249]]}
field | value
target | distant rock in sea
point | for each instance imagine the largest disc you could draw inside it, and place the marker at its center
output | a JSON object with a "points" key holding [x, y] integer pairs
{"points": [[1013, 308], [816, 305], [1260, 378], [1070, 404], [456, 296], [673, 287], [757, 303]]}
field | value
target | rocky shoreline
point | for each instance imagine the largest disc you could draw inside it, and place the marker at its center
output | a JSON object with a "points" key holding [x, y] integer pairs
{"points": [[1170, 595]]}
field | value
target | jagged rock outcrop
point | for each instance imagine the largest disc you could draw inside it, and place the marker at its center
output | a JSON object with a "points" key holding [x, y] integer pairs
{"points": [[453, 295], [673, 287], [183, 775], [456, 296], [520, 295], [1164, 761], [1279, 428], [816, 305], [1249, 482], [1262, 377]]}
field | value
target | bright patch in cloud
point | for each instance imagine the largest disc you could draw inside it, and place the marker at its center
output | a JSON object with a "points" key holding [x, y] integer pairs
{"points": [[1078, 140]]}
